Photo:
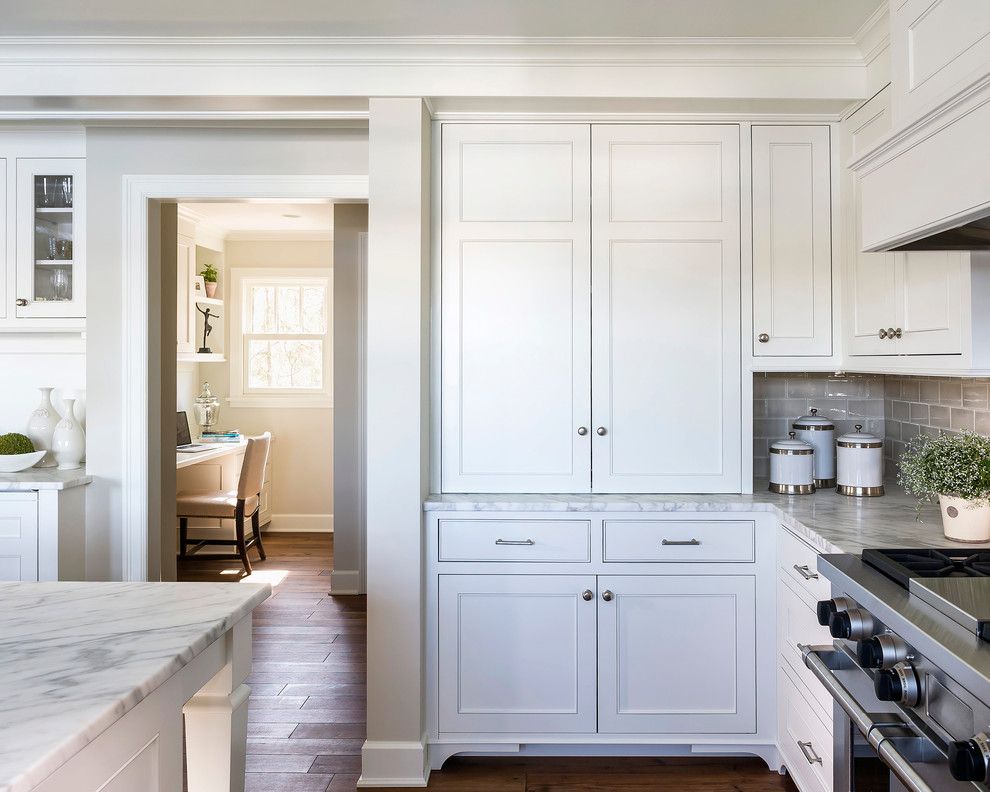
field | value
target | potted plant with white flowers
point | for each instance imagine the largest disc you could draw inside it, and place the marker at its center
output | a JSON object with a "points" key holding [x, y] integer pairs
{"points": [[953, 469]]}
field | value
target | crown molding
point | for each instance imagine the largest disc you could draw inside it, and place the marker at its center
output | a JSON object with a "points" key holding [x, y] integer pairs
{"points": [[873, 36]]}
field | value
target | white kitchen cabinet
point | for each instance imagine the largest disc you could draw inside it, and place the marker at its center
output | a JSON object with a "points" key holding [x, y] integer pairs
{"points": [[665, 308], [515, 315], [42, 530], [516, 653], [19, 536], [792, 249], [677, 654], [51, 239]]}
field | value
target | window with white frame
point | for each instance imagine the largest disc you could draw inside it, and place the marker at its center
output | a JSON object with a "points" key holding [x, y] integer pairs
{"points": [[281, 348]]}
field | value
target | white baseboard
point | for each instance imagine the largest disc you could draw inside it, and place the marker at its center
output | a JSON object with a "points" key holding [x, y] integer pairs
{"points": [[391, 763], [345, 581], [300, 523]]}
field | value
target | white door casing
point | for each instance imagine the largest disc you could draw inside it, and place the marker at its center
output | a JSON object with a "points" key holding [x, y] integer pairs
{"points": [[792, 250], [666, 308], [185, 265], [516, 654], [515, 308], [677, 654]]}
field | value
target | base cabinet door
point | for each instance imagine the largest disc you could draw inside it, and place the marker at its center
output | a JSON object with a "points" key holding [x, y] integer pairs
{"points": [[516, 653], [18, 536], [676, 654]]}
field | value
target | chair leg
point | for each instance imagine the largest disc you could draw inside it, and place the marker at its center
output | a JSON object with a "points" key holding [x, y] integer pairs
{"points": [[241, 547], [256, 530], [183, 536]]}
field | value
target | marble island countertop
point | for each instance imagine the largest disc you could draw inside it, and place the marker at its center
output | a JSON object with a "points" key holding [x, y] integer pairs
{"points": [[830, 522], [49, 478], [74, 657]]}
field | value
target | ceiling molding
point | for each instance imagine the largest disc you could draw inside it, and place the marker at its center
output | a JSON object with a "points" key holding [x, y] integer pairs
{"points": [[279, 236], [873, 36]]}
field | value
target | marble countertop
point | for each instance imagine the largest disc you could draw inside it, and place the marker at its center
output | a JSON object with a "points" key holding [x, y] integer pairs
{"points": [[74, 657], [43, 479], [832, 523]]}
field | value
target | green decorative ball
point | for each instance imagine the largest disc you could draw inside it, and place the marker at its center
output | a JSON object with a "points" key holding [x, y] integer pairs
{"points": [[14, 443]]}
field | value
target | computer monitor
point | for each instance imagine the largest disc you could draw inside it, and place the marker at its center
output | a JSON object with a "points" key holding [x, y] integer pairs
{"points": [[182, 436]]}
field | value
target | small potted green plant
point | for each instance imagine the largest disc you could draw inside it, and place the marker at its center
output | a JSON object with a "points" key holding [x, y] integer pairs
{"points": [[210, 276], [955, 471]]}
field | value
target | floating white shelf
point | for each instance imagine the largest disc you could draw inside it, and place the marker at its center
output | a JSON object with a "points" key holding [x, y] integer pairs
{"points": [[197, 357], [208, 300]]}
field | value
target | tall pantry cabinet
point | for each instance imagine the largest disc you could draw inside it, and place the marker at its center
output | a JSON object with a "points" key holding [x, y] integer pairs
{"points": [[590, 328]]}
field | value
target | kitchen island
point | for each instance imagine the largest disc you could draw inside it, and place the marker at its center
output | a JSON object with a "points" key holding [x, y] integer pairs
{"points": [[95, 679]]}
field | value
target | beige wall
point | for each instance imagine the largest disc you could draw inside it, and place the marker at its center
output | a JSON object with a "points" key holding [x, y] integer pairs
{"points": [[302, 462]]}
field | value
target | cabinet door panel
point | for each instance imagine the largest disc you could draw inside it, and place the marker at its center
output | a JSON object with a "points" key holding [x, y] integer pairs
{"points": [[19, 537], [677, 655], [515, 325], [930, 302], [666, 309], [792, 249], [516, 654]]}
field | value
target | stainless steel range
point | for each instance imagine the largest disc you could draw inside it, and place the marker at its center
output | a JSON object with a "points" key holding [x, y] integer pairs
{"points": [[909, 670]]}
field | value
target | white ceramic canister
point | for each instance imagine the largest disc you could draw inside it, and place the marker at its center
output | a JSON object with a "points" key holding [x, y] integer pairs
{"points": [[792, 467], [859, 464], [819, 433]]}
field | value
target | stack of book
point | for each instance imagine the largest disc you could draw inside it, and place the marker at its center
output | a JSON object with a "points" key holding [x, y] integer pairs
{"points": [[232, 436]]}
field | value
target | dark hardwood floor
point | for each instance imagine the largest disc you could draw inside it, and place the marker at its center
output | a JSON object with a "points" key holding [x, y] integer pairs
{"points": [[306, 719]]}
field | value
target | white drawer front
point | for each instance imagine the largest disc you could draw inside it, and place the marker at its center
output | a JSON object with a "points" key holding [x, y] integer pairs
{"points": [[806, 744], [800, 563], [797, 624], [680, 540], [515, 540]]}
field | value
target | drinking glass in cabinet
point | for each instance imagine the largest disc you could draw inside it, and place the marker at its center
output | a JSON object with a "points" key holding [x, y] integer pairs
{"points": [[61, 284], [53, 192]]}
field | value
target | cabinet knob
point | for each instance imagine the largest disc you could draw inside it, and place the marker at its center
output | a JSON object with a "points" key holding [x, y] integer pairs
{"points": [[882, 334], [601, 431], [892, 333], [607, 595], [582, 430], [587, 595], [20, 302], [763, 338], [898, 332]]}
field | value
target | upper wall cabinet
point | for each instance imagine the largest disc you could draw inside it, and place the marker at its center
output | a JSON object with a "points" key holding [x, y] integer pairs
{"points": [[792, 249], [665, 308], [515, 315]]}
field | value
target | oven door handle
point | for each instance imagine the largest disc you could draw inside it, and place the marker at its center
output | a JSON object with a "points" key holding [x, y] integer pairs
{"points": [[885, 749]]}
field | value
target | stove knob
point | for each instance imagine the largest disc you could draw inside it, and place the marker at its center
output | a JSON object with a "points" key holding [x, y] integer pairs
{"points": [[826, 608], [852, 625], [969, 760], [898, 684], [881, 651]]}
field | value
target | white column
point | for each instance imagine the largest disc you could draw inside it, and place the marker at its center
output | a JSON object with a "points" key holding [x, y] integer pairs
{"points": [[398, 437], [216, 720]]}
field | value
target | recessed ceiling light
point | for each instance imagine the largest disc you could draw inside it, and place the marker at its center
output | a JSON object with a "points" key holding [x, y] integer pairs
{"points": [[293, 216]]}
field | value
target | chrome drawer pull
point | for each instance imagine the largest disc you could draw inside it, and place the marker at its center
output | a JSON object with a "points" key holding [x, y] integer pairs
{"points": [[514, 542], [675, 542], [805, 571], [809, 753]]}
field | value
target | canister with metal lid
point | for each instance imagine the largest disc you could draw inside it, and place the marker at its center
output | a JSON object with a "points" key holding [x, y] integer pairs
{"points": [[820, 434], [859, 464], [792, 467]]}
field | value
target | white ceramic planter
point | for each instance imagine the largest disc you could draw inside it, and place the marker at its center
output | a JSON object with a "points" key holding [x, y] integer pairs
{"points": [[69, 441], [963, 521]]}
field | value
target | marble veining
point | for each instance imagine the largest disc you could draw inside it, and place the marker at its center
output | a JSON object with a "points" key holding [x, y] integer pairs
{"points": [[43, 479], [831, 523], [74, 657]]}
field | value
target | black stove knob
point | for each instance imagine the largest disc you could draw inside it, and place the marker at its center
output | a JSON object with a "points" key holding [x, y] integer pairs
{"points": [[898, 684], [852, 625], [870, 653], [968, 759], [828, 608], [881, 651]]}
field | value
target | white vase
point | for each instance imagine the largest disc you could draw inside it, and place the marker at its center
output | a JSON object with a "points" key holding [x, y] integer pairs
{"points": [[69, 442], [964, 520], [41, 427]]}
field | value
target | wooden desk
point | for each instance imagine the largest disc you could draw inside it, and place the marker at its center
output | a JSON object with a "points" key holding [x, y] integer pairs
{"points": [[187, 459], [218, 469]]}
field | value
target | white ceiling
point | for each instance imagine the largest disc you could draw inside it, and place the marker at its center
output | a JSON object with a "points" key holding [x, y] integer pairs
{"points": [[265, 218], [586, 18]]}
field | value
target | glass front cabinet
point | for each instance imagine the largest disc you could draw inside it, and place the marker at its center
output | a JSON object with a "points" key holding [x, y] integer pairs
{"points": [[51, 231]]}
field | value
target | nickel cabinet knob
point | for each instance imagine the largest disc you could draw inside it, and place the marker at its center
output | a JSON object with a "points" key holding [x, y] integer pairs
{"points": [[892, 333], [582, 430], [20, 302], [763, 338], [898, 332], [587, 595], [882, 333], [607, 595], [601, 431]]}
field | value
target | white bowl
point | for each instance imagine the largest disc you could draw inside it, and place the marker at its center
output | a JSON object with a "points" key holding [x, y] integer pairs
{"points": [[14, 463]]}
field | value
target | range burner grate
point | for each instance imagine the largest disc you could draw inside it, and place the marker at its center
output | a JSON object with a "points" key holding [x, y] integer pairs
{"points": [[902, 565]]}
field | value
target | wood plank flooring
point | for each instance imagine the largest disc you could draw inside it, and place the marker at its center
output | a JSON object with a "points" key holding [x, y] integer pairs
{"points": [[306, 720]]}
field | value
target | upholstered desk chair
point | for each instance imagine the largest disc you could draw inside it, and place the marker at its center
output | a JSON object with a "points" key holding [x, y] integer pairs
{"points": [[237, 505]]}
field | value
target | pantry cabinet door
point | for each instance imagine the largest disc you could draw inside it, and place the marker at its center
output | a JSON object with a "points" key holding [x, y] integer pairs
{"points": [[677, 654], [930, 302], [517, 654], [792, 246], [666, 335], [515, 308]]}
